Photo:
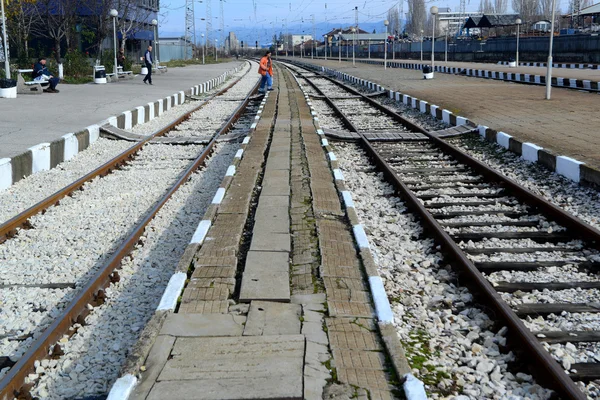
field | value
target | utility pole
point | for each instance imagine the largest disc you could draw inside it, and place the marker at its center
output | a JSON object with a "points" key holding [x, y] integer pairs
{"points": [[208, 24], [5, 43], [355, 32], [190, 26], [312, 54], [326, 37], [222, 24]]}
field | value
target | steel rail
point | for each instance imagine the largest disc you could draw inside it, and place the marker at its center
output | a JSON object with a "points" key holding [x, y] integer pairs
{"points": [[12, 383], [9, 228], [545, 368]]}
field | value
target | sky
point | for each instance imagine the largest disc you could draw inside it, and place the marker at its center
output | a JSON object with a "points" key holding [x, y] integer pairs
{"points": [[271, 15]]}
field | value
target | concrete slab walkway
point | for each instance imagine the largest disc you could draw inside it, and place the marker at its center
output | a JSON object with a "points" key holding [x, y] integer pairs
{"points": [[32, 119], [291, 319]]}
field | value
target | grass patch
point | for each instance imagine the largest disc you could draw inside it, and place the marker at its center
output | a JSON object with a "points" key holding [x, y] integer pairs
{"points": [[185, 63], [70, 80]]}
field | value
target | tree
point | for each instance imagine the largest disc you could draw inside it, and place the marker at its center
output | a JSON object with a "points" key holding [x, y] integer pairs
{"points": [[500, 6], [58, 20], [394, 20], [98, 23], [486, 7], [22, 16], [526, 9], [416, 17], [132, 15]]}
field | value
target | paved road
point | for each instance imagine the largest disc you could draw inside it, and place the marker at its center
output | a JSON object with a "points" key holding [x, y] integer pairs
{"points": [[569, 124], [32, 119]]}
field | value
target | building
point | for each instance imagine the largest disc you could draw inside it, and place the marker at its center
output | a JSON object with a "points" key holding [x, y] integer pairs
{"points": [[297, 39], [231, 44], [453, 21], [174, 48], [137, 26]]}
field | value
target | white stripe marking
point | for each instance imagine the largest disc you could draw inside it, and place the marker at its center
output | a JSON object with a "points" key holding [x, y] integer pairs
{"points": [[230, 171], [332, 156], [324, 142], [122, 388], [361, 236], [201, 232], [382, 304], [172, 292], [337, 174], [239, 153], [246, 140], [219, 196], [347, 196]]}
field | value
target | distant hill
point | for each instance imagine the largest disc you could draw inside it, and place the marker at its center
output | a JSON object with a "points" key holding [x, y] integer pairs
{"points": [[250, 35]]}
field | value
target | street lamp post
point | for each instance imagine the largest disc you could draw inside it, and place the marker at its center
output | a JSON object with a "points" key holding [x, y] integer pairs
{"points": [[386, 23], [518, 22], [434, 11], [339, 46], [155, 23], [549, 70], [114, 14], [446, 48], [421, 45], [216, 50], [5, 43], [203, 46], [353, 45]]}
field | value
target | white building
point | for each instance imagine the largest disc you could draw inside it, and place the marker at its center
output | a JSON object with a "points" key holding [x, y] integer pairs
{"points": [[297, 39]]}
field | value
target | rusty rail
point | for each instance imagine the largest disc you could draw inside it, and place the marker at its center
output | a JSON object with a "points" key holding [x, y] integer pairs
{"points": [[9, 228], [11, 385], [545, 368]]}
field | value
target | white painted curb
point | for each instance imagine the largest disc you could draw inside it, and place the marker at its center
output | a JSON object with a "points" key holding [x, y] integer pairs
{"points": [[122, 388], [568, 167], [201, 232], [382, 304], [168, 302]]}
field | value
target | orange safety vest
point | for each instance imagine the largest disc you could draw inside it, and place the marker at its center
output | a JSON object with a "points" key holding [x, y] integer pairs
{"points": [[265, 66]]}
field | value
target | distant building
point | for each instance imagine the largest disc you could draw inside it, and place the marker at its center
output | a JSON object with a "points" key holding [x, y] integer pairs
{"points": [[174, 48], [231, 44], [297, 39]]}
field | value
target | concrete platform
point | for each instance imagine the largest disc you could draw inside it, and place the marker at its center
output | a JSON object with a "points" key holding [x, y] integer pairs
{"points": [[250, 367], [269, 338], [78, 106], [564, 125]]}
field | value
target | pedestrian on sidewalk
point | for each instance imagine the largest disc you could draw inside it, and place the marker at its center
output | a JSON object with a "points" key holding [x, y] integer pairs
{"points": [[266, 70], [41, 73], [148, 62]]}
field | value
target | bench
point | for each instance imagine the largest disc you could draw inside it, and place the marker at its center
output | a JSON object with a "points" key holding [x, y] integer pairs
{"points": [[29, 87], [124, 74]]}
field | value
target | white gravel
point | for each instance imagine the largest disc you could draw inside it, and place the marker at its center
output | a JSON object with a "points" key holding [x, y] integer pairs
{"points": [[70, 241], [582, 202], [435, 319], [36, 187], [95, 353], [169, 116]]}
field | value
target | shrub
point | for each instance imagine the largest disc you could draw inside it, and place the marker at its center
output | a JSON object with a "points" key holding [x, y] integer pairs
{"points": [[77, 65]]}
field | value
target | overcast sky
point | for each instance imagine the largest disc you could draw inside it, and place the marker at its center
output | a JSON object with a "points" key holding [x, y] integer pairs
{"points": [[271, 15]]}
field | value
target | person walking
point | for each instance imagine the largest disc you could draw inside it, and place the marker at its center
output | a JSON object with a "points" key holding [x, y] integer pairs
{"points": [[148, 62], [41, 73], [266, 70]]}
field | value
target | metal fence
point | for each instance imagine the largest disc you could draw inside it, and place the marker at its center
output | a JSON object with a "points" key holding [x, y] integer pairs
{"points": [[571, 48]]}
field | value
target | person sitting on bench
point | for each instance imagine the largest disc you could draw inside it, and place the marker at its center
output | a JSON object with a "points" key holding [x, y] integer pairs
{"points": [[41, 73]]}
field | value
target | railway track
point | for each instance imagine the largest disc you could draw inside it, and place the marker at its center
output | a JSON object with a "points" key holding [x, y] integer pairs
{"points": [[83, 290], [490, 227]]}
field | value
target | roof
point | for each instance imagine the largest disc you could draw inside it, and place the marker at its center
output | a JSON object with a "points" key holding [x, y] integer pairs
{"points": [[593, 9], [335, 31], [472, 22], [493, 20], [365, 36]]}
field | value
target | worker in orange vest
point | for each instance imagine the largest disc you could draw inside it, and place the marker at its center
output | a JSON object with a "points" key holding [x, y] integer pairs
{"points": [[266, 70]]}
